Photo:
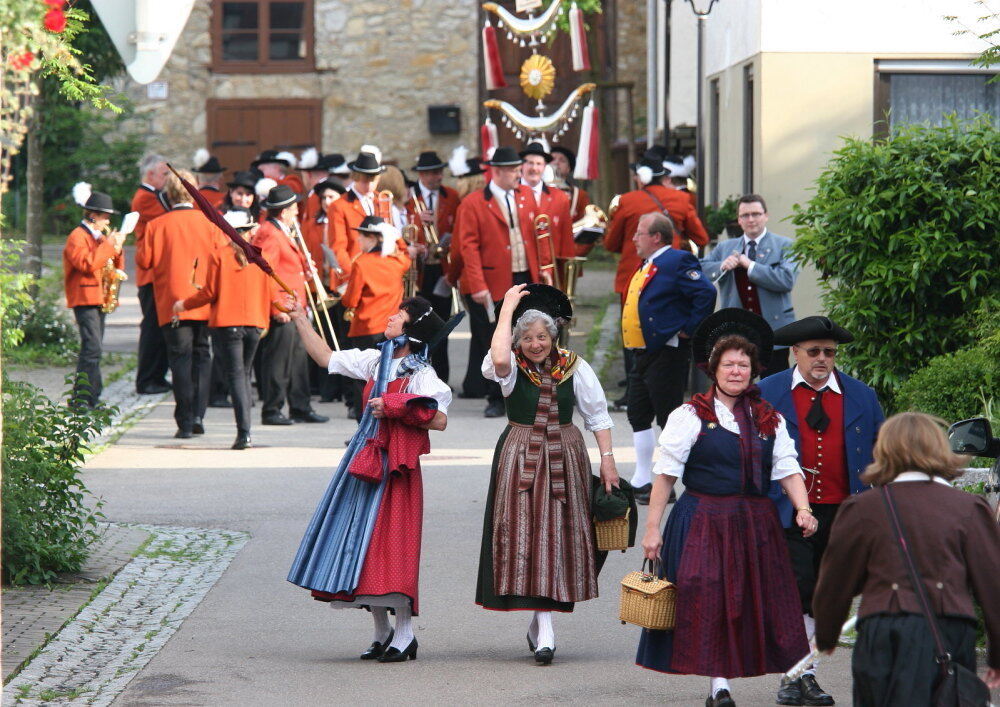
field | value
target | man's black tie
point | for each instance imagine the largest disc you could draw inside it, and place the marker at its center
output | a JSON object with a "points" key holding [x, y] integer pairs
{"points": [[752, 250], [817, 418]]}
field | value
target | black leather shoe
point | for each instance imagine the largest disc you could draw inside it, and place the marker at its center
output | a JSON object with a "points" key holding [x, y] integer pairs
{"points": [[790, 692], [394, 655], [376, 650], [495, 409], [544, 656], [242, 442], [223, 403], [309, 416], [183, 434], [722, 698], [812, 693], [276, 419], [642, 494], [197, 427], [155, 389]]}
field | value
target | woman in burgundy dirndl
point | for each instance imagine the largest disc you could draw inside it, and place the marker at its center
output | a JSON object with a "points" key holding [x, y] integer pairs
{"points": [[738, 613]]}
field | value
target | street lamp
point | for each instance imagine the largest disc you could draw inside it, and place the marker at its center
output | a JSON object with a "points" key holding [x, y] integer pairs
{"points": [[701, 14]]}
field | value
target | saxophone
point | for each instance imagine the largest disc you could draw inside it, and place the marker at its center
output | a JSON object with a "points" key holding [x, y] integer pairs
{"points": [[111, 282]]}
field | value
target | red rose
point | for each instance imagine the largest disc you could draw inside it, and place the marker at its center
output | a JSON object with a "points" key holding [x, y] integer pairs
{"points": [[55, 20]]}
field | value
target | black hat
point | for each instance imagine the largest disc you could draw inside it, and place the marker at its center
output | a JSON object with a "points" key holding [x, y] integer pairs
{"points": [[99, 201], [429, 160], [733, 320], [475, 167], [247, 180], [504, 157], [368, 225], [326, 163], [536, 148], [568, 153], [338, 164], [812, 328], [656, 152], [329, 184], [424, 322], [654, 164], [366, 163], [281, 196], [546, 299], [211, 166], [270, 156]]}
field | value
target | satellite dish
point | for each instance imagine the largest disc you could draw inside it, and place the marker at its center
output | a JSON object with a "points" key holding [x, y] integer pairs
{"points": [[144, 32]]}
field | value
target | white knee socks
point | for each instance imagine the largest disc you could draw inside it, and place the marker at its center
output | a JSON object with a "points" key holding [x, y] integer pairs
{"points": [[381, 616], [719, 684], [810, 624], [542, 631], [404, 627], [645, 444]]}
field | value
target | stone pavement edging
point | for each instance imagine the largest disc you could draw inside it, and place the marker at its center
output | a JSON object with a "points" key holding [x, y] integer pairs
{"points": [[92, 659]]}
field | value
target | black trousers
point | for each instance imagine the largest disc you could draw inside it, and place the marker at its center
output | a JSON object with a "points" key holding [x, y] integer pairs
{"points": [[151, 369], [218, 386], [283, 370], [321, 383], [806, 553], [475, 385], [777, 363], [90, 321], [190, 359], [656, 384], [234, 348], [442, 307], [358, 386]]}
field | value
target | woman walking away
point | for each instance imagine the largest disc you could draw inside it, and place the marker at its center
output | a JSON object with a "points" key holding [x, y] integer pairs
{"points": [[538, 549], [954, 543]]}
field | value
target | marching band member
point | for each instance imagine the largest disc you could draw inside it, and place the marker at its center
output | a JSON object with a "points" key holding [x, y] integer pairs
{"points": [[495, 230], [240, 299], [242, 194], [151, 368], [88, 251], [176, 248], [209, 173], [553, 202], [563, 164], [277, 166], [438, 204], [284, 374], [347, 213], [375, 288], [339, 171]]}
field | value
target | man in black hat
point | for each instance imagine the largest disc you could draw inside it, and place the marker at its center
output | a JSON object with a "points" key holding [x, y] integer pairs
{"points": [[433, 206], [563, 163], [209, 173], [833, 420], [552, 202]]}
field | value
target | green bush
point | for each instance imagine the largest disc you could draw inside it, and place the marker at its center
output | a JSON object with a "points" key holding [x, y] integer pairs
{"points": [[904, 234], [14, 297], [47, 526], [952, 386], [718, 217]]}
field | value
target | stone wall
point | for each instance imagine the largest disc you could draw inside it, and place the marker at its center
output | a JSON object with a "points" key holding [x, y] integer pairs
{"points": [[631, 37]]}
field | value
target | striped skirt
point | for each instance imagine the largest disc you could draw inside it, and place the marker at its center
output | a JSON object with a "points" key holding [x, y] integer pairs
{"points": [[536, 546]]}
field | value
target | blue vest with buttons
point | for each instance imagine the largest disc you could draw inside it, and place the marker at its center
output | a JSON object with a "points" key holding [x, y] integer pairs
{"points": [[713, 466]]}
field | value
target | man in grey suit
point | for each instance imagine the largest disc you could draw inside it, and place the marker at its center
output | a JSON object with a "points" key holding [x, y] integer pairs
{"points": [[755, 272]]}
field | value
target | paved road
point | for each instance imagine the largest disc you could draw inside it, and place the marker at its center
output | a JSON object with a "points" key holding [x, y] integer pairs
{"points": [[258, 640]]}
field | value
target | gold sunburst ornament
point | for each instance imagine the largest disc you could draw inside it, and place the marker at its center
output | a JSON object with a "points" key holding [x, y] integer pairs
{"points": [[538, 76]]}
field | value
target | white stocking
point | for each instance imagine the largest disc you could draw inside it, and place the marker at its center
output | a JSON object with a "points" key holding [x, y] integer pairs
{"points": [[546, 634], [810, 624], [381, 616], [404, 627], [719, 684], [645, 444]]}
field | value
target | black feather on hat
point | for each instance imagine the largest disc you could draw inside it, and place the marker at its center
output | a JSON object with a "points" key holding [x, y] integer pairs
{"points": [[811, 328], [546, 299], [725, 322]]}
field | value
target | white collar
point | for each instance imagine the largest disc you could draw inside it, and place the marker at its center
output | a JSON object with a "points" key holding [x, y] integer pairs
{"points": [[657, 254], [537, 188], [148, 186], [831, 383], [359, 194], [91, 231], [500, 193], [425, 192], [919, 476], [747, 240]]}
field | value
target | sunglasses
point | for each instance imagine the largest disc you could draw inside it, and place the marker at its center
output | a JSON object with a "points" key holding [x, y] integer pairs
{"points": [[828, 351]]}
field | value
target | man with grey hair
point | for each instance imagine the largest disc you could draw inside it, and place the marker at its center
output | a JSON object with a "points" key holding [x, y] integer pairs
{"points": [[149, 201], [665, 301]]}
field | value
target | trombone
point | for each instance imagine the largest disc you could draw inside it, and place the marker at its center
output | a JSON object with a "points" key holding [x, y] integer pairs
{"points": [[543, 231], [318, 301]]}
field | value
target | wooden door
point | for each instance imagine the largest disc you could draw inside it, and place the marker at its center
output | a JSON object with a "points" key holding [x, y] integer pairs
{"points": [[240, 129]]}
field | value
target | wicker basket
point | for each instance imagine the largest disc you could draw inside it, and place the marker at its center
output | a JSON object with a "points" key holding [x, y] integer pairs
{"points": [[648, 601], [612, 534]]}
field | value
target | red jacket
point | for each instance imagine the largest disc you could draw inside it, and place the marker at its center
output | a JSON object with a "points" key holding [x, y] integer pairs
{"points": [[555, 203], [83, 259], [149, 205], [171, 246], [213, 194], [446, 203], [375, 290], [285, 259], [240, 295]]}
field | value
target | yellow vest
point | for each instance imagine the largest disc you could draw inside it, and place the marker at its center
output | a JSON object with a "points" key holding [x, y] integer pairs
{"points": [[631, 328]]}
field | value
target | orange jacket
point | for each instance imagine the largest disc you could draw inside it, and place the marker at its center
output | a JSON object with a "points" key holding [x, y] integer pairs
{"points": [[285, 259], [240, 295], [345, 214], [213, 194], [483, 237], [149, 204], [170, 247], [294, 182], [375, 291], [83, 259], [633, 206]]}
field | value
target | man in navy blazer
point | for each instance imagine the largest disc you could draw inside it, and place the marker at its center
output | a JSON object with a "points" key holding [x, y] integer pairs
{"points": [[755, 272], [665, 301], [834, 420]]}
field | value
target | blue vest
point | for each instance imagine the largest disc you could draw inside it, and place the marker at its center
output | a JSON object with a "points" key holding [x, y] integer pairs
{"points": [[713, 466]]}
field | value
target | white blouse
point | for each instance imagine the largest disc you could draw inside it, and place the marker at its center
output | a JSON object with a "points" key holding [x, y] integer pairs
{"points": [[363, 364], [590, 400], [682, 430]]}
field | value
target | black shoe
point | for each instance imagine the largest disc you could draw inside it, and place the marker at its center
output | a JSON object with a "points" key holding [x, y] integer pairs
{"points": [[276, 419], [309, 416], [812, 693], [197, 427], [722, 698], [329, 398], [242, 442], [495, 409], [544, 656], [220, 403], [641, 494], [183, 434], [790, 692], [376, 650], [531, 644], [620, 404], [155, 389], [394, 655]]}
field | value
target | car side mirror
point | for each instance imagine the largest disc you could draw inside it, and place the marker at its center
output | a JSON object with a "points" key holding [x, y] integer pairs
{"points": [[973, 437]]}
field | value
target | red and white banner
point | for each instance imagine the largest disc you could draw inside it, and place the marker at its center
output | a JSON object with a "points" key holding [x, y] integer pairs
{"points": [[578, 40], [588, 150], [491, 59]]}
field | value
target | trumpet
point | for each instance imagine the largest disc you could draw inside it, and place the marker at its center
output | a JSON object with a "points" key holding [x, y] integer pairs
{"points": [[430, 230], [410, 284], [543, 232], [319, 301]]}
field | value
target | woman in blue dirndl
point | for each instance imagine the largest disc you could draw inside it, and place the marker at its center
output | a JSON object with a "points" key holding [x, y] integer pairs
{"points": [[738, 612]]}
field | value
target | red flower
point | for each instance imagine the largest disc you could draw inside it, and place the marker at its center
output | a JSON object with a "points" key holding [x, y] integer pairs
{"points": [[55, 20], [19, 62]]}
